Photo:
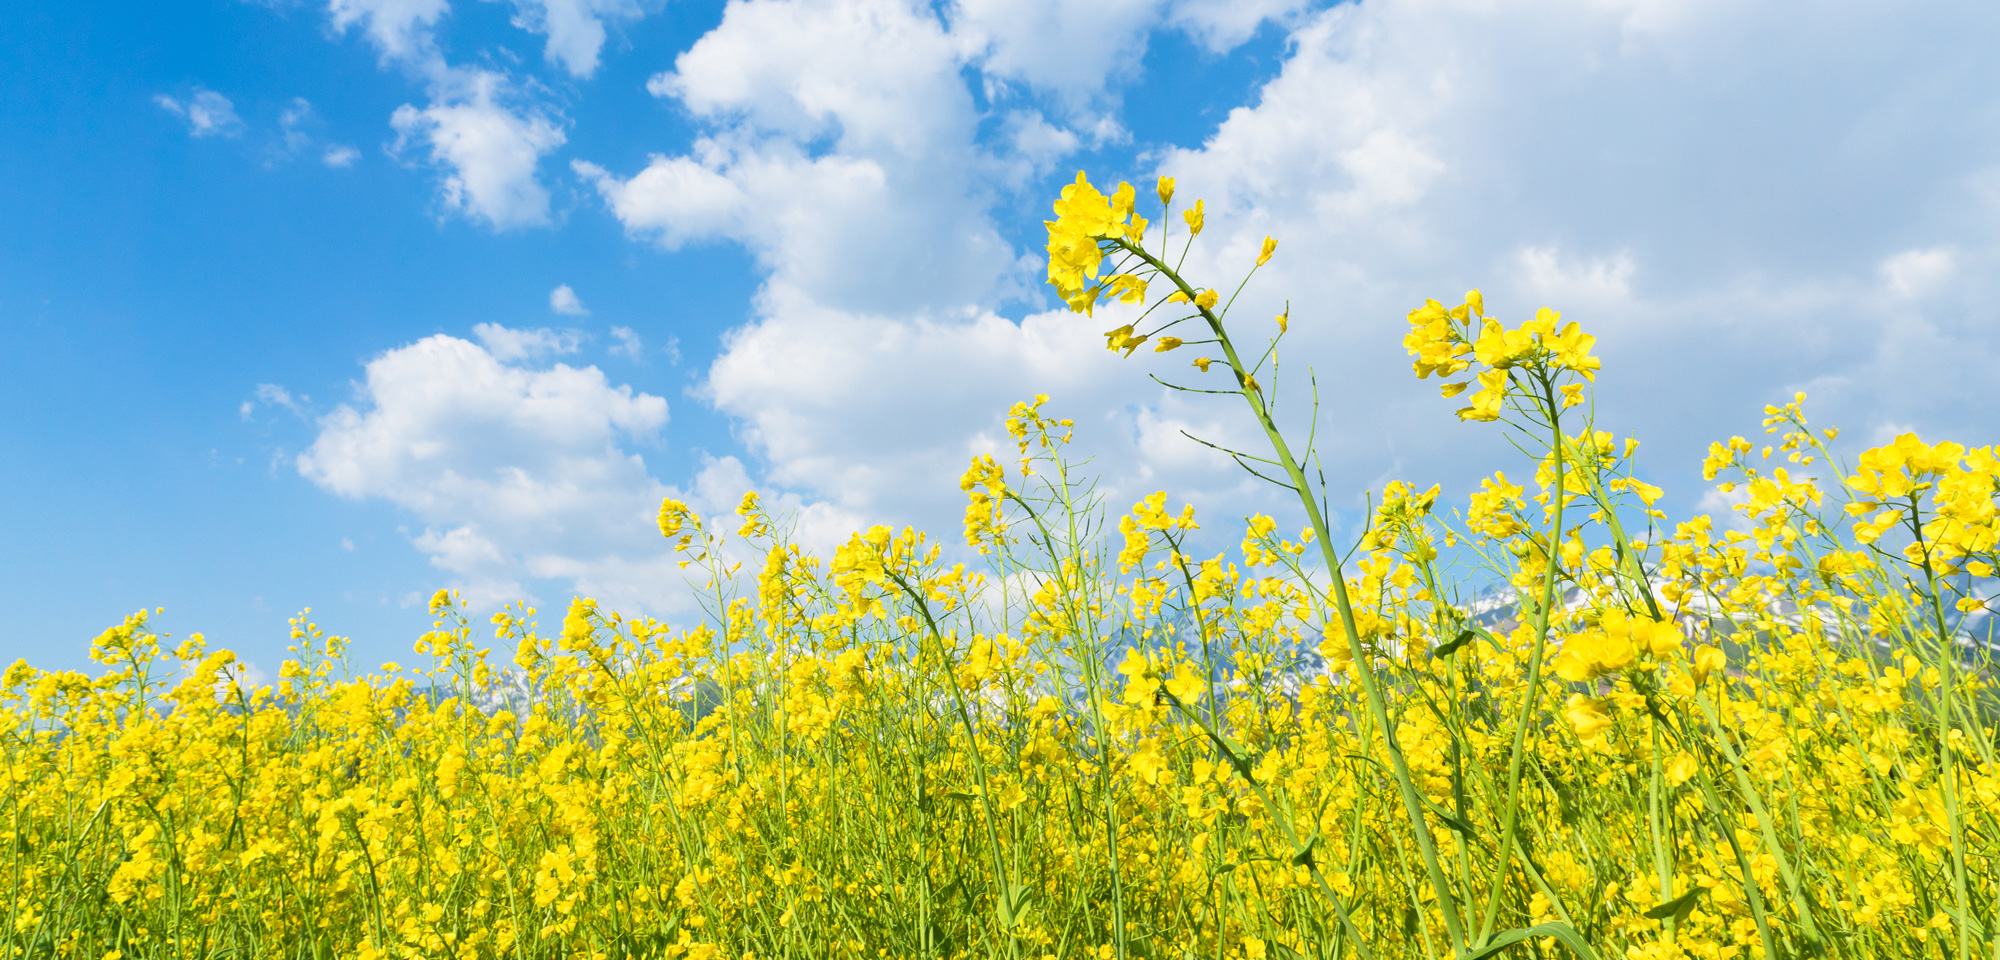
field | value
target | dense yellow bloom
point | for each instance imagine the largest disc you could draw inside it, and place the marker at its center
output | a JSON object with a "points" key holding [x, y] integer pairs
{"points": [[1961, 484], [1085, 218], [985, 487], [1444, 342], [1435, 341]]}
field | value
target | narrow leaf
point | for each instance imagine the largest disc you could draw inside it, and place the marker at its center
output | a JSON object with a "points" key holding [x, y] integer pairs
{"points": [[1304, 856], [1453, 645], [1677, 908]]}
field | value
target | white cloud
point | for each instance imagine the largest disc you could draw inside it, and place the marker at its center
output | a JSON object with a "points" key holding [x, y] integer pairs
{"points": [[490, 149], [1035, 144], [675, 200], [842, 143], [1223, 25], [296, 125], [271, 394], [485, 131], [292, 123], [517, 474], [628, 344], [1598, 282], [1069, 48], [507, 344], [208, 114], [1914, 273], [575, 28], [403, 30], [1075, 50], [564, 300], [842, 153]]}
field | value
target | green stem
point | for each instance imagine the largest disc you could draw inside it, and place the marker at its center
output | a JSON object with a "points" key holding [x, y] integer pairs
{"points": [[1364, 670], [1511, 823], [1947, 761]]}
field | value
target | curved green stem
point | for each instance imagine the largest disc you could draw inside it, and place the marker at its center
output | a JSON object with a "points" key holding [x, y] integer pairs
{"points": [[1364, 670]]}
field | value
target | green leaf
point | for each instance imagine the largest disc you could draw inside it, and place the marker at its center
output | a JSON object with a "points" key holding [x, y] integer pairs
{"points": [[1562, 932], [1464, 829], [1304, 856], [1677, 908], [1453, 645], [1978, 929], [1012, 903], [1237, 754]]}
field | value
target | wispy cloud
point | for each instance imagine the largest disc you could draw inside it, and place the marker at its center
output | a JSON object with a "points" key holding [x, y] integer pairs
{"points": [[508, 344], [628, 344], [208, 114]]}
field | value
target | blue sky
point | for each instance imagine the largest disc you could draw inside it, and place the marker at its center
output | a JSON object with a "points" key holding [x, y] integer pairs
{"points": [[279, 281]]}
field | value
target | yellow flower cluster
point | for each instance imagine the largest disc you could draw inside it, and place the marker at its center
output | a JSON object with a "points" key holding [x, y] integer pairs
{"points": [[1085, 220], [1445, 342], [1961, 483]]}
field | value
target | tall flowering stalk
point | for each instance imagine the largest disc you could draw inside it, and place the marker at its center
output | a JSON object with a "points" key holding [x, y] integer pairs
{"points": [[1529, 364]]}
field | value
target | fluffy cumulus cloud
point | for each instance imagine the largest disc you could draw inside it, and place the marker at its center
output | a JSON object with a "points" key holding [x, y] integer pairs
{"points": [[489, 144], [1736, 207], [208, 114], [842, 153], [519, 472], [842, 145], [527, 476], [485, 130]]}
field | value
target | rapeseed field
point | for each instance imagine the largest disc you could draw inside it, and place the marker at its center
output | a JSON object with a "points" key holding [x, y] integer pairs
{"points": [[1547, 721]]}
